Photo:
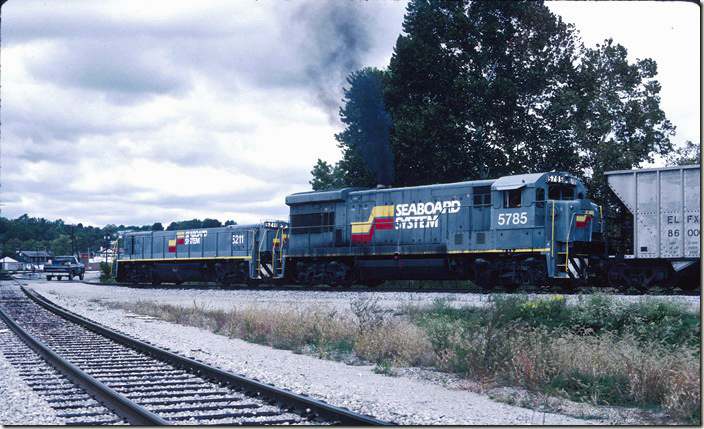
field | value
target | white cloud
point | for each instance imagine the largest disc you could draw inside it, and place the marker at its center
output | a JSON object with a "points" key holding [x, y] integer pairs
{"points": [[133, 112]]}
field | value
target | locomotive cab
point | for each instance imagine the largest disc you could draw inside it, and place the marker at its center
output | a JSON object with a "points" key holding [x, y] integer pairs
{"points": [[547, 213]]}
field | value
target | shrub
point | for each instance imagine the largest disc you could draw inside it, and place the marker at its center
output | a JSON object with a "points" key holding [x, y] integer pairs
{"points": [[105, 272], [600, 350]]}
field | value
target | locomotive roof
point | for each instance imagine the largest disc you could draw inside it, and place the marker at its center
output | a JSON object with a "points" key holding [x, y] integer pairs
{"points": [[515, 182], [502, 183], [317, 196], [341, 194], [168, 232], [438, 186]]}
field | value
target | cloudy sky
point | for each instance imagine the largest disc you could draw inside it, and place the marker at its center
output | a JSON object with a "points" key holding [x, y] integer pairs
{"points": [[134, 112]]}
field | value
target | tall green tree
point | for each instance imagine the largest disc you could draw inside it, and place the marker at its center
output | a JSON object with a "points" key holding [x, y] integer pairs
{"points": [[326, 176], [480, 89], [617, 122], [468, 84], [61, 246], [367, 158]]}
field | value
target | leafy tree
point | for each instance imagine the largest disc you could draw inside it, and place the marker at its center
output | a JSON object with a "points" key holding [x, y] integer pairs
{"points": [[11, 247], [157, 226], [689, 154], [480, 89], [367, 158], [617, 123], [368, 126], [326, 176], [210, 223], [230, 222], [61, 246], [467, 85]]}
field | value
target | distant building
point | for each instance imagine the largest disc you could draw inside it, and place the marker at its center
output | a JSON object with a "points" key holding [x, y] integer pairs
{"points": [[9, 264], [33, 257]]}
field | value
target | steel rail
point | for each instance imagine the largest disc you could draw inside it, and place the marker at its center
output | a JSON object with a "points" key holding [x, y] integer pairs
{"points": [[123, 407], [299, 404], [544, 289]]}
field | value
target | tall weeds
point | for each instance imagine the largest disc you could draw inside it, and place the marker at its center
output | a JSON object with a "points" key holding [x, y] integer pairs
{"points": [[597, 350]]}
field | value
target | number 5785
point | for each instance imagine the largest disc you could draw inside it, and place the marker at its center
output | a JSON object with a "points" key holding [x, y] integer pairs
{"points": [[513, 218]]}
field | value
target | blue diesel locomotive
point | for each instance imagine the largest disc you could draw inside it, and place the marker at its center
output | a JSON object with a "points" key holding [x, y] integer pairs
{"points": [[510, 231], [231, 254], [530, 228]]}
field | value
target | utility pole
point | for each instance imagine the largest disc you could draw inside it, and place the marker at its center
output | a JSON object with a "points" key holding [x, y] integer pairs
{"points": [[73, 240], [107, 245]]}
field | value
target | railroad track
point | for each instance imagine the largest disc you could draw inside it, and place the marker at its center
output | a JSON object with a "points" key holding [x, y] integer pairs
{"points": [[96, 375], [382, 289]]}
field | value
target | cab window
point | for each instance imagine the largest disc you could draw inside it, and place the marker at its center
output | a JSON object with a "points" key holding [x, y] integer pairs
{"points": [[482, 196], [540, 197], [560, 192], [512, 198]]}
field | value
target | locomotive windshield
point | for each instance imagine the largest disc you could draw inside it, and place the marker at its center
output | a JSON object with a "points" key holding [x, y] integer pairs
{"points": [[561, 192]]}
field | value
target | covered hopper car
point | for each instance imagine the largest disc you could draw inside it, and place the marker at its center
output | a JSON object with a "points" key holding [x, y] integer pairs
{"points": [[665, 204]]}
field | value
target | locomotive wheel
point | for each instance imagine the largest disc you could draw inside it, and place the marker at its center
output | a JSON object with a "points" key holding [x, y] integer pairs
{"points": [[483, 275], [349, 279], [303, 278], [221, 275], [156, 280], [615, 275]]}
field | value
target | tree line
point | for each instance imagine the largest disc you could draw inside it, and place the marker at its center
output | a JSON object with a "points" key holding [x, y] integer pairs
{"points": [[60, 238], [484, 89]]}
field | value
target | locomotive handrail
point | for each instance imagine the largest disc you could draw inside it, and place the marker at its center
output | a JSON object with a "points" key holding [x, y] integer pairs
{"points": [[259, 253], [567, 254], [552, 246]]}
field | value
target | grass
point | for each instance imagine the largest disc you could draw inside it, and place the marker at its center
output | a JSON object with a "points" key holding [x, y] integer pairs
{"points": [[597, 350]]}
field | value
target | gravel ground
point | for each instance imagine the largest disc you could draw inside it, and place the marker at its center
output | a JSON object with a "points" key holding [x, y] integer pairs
{"points": [[414, 397], [20, 405]]}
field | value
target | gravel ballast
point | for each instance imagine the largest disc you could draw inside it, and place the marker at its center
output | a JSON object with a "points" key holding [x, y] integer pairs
{"points": [[19, 404], [415, 397]]}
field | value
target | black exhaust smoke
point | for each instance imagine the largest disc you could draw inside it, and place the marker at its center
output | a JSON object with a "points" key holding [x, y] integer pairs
{"points": [[336, 40]]}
